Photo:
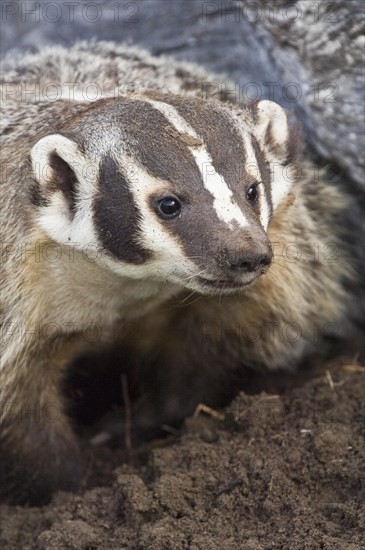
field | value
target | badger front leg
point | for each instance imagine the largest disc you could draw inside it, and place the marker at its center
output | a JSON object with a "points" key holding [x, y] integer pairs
{"points": [[38, 450]]}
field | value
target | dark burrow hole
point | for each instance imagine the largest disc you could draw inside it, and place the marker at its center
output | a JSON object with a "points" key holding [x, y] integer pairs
{"points": [[94, 392]]}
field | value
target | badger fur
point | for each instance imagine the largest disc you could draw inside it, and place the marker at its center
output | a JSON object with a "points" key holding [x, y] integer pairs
{"points": [[111, 205], [118, 200]]}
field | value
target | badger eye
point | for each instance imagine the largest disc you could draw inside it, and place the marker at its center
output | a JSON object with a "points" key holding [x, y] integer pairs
{"points": [[169, 207], [252, 193]]}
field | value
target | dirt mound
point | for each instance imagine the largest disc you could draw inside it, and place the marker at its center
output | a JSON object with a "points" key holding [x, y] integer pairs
{"points": [[280, 470]]}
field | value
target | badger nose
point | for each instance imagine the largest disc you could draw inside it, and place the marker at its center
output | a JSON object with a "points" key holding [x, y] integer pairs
{"points": [[248, 261]]}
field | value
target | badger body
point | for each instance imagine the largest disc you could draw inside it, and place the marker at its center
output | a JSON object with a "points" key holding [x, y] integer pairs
{"points": [[116, 203]]}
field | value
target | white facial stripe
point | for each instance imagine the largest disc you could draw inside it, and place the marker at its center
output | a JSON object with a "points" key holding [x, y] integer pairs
{"points": [[252, 168], [282, 181], [224, 204], [264, 209], [142, 185]]}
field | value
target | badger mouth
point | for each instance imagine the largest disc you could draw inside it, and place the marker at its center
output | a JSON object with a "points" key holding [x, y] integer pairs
{"points": [[225, 284]]}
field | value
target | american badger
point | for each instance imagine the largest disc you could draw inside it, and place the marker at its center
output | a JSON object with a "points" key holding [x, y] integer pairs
{"points": [[122, 188], [110, 206]]}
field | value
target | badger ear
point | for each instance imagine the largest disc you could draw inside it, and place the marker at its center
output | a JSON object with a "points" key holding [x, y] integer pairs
{"points": [[56, 164], [273, 132], [61, 189]]}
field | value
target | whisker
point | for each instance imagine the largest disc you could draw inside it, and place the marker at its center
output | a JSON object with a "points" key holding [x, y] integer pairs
{"points": [[199, 297], [291, 270], [187, 297], [202, 272]]}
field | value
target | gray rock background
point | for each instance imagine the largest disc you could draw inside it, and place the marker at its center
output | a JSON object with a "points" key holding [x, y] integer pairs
{"points": [[307, 55]]}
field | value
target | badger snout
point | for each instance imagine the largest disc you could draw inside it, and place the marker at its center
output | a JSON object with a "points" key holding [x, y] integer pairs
{"points": [[254, 259], [239, 258], [237, 268]]}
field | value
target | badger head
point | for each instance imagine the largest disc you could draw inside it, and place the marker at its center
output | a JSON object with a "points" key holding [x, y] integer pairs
{"points": [[168, 188]]}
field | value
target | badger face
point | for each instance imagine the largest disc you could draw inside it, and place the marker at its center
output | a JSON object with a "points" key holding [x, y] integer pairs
{"points": [[167, 188]]}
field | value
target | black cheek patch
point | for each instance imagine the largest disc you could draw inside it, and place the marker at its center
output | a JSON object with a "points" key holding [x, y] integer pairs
{"points": [[117, 217]]}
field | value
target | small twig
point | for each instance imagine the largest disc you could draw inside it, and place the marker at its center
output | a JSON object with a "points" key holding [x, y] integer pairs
{"points": [[207, 410], [330, 380], [353, 368], [128, 416]]}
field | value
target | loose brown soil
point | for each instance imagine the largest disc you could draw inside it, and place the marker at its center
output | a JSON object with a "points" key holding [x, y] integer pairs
{"points": [[283, 470]]}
